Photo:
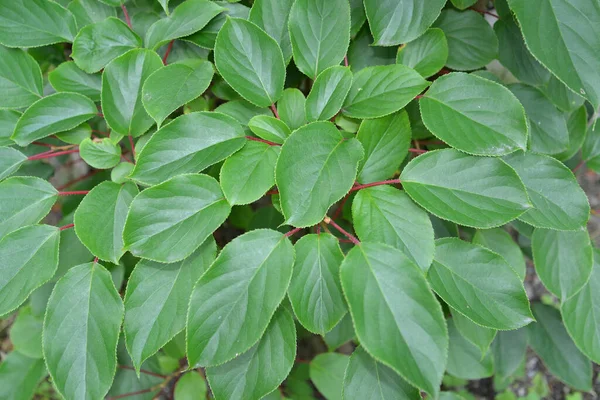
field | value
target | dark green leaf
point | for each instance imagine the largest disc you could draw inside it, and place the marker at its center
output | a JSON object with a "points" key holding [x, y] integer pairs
{"points": [[509, 350], [464, 358], [590, 152], [207, 36], [499, 241], [272, 16], [427, 54], [476, 334], [269, 128], [577, 126], [8, 120]]}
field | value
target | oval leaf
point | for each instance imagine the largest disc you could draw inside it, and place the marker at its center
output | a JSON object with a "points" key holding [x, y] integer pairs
{"points": [[269, 128], [464, 358], [427, 54], [20, 78], [100, 153], [67, 77], [272, 16], [500, 241], [328, 93]]}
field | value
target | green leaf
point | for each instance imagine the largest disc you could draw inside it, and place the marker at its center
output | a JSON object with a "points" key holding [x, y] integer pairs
{"points": [[472, 43], [291, 108], [34, 23], [10, 161], [548, 126], [362, 54], [473, 191], [357, 16], [328, 93], [327, 373], [190, 143], [365, 378], [382, 90], [100, 153], [464, 358], [467, 276], [87, 12], [500, 241], [100, 218], [558, 200], [167, 222], [577, 126], [242, 111], [570, 26], [20, 375], [122, 82], [20, 78], [320, 33], [550, 340], [393, 22], [376, 217], [476, 334], [315, 290], [249, 173], [8, 120], [590, 151], [67, 77], [580, 314], [98, 44], [207, 36], [187, 18], [29, 258], [513, 54], [230, 307], [427, 54], [174, 85], [463, 4], [561, 95], [25, 201], [474, 115], [261, 369], [563, 260], [190, 386], [156, 300], [250, 61], [26, 334], [269, 128], [308, 186], [508, 349], [386, 141], [75, 135], [52, 114], [397, 318], [272, 16], [81, 331]]}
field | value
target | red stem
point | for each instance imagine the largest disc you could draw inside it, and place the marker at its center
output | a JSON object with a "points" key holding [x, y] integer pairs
{"points": [[62, 228], [42, 144], [293, 231], [274, 109], [50, 154], [166, 56], [74, 181], [352, 238], [579, 165], [143, 371], [131, 394], [132, 147], [417, 151], [345, 60], [341, 206], [127, 19], [262, 140], [366, 185], [274, 191], [74, 192]]}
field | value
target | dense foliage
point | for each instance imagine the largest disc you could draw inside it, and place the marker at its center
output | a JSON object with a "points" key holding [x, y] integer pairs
{"points": [[193, 191]]}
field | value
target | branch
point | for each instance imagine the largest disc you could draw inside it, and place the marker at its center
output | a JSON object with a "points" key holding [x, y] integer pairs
{"points": [[262, 141], [366, 185], [127, 19], [351, 237]]}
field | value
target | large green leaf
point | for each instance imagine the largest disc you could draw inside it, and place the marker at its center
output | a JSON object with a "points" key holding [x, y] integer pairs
{"points": [[478, 335], [122, 82], [562, 97], [550, 340], [472, 43], [473, 191], [340, 334], [386, 141], [10, 161], [327, 374], [261, 369], [100, 153], [581, 314], [188, 18], [467, 276], [25, 201], [397, 318], [563, 260], [28, 259], [475, 115], [20, 375], [100, 219], [315, 290], [427, 54], [250, 61], [67, 77], [500, 241], [87, 12], [357, 16], [20, 79], [34, 23], [308, 186], [167, 222], [384, 214], [366, 378], [81, 331], [249, 173], [156, 300], [548, 125], [393, 22], [52, 114], [272, 16], [508, 349], [464, 358], [174, 85], [328, 93], [320, 33], [572, 26], [190, 143], [381, 90], [558, 200], [235, 299]]}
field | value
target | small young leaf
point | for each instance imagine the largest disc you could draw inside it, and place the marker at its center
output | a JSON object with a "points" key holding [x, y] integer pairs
{"points": [[308, 186], [20, 79], [508, 349], [272, 16], [269, 128], [81, 330], [167, 222], [500, 241], [67, 77], [230, 307], [476, 334], [327, 373], [466, 276], [315, 290], [100, 153], [427, 54], [190, 386], [55, 113], [190, 143], [20, 375], [464, 358], [10, 161], [328, 93], [291, 107]]}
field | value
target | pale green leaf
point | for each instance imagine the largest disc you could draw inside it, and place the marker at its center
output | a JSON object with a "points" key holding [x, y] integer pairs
{"points": [[26, 333], [20, 78], [328, 93], [10, 161], [269, 128], [327, 373], [190, 386], [427, 54], [477, 335], [67, 77], [291, 108], [87, 12], [500, 241], [100, 153], [508, 349], [464, 358], [272, 16], [20, 375]]}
